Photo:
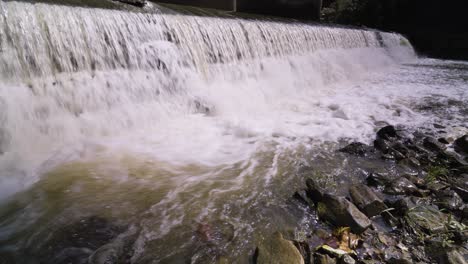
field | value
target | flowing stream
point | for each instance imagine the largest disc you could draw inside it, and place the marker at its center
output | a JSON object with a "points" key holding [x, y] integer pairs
{"points": [[182, 135]]}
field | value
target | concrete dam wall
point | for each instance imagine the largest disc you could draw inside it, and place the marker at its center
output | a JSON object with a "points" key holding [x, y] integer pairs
{"points": [[303, 9]]}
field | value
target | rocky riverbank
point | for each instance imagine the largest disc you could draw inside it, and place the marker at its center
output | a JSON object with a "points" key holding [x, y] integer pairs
{"points": [[414, 213]]}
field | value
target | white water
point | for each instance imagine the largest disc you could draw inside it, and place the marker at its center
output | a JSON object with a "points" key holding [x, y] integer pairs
{"points": [[104, 86]]}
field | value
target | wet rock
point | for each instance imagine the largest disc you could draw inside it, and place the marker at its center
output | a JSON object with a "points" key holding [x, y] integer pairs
{"points": [[138, 3], [378, 179], [461, 145], [73, 255], [443, 141], [419, 182], [305, 251], [401, 186], [79, 239], [433, 144], [366, 200], [439, 126], [427, 218], [410, 162], [314, 191], [357, 149], [456, 256], [449, 199], [341, 212], [382, 145], [323, 259], [278, 250], [394, 255], [388, 133], [347, 259]]}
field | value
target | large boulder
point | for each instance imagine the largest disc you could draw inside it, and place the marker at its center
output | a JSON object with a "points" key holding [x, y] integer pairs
{"points": [[278, 250]]}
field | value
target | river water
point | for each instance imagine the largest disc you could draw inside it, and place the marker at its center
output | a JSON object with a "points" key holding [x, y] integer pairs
{"points": [[181, 137]]}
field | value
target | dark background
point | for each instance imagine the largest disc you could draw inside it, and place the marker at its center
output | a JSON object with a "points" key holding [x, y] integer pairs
{"points": [[436, 28]]}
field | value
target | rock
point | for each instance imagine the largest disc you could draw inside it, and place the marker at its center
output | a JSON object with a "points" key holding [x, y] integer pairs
{"points": [[456, 256], [439, 126], [378, 179], [278, 250], [138, 3], [434, 145], [323, 259], [341, 212], [443, 141], [366, 200], [461, 145], [314, 191], [388, 133], [332, 251], [427, 218], [419, 182], [382, 145], [305, 251], [347, 259], [401, 186], [356, 148], [79, 239], [449, 199]]}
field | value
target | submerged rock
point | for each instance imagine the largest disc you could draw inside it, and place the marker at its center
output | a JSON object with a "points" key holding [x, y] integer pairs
{"points": [[356, 148], [366, 200], [278, 250], [341, 212]]}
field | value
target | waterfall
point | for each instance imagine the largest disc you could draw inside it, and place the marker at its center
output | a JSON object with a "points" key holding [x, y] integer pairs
{"points": [[73, 74]]}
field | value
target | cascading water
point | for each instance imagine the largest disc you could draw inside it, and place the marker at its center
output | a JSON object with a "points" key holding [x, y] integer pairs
{"points": [[157, 122]]}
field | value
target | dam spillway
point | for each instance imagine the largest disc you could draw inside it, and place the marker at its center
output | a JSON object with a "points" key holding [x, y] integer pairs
{"points": [[151, 124]]}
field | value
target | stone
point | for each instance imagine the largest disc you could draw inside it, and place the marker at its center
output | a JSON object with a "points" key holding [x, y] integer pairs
{"points": [[443, 141], [461, 145], [449, 199], [401, 186], [378, 179], [456, 256], [382, 145], [428, 218], [388, 133], [341, 212], [323, 259], [357, 149], [419, 182], [366, 200], [278, 250], [314, 191], [347, 259], [434, 145]]}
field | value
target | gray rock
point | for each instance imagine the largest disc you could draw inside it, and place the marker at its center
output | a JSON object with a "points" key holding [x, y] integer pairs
{"points": [[323, 259], [388, 132], [314, 191], [433, 144], [401, 186], [456, 256], [366, 200], [356, 148], [347, 259], [341, 212], [278, 250], [461, 144], [449, 199]]}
